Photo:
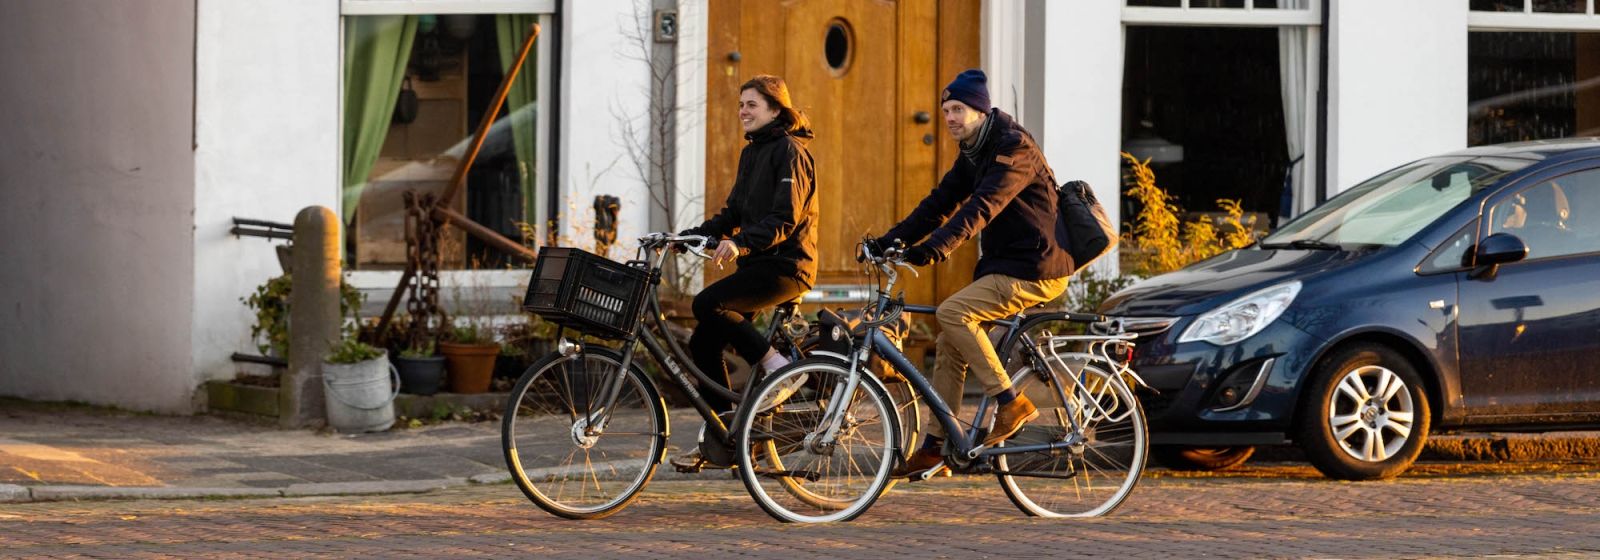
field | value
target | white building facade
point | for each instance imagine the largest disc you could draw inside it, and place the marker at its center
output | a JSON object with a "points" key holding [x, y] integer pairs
{"points": [[138, 131]]}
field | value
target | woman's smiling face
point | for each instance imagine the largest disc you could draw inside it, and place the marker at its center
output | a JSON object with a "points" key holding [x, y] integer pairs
{"points": [[754, 112]]}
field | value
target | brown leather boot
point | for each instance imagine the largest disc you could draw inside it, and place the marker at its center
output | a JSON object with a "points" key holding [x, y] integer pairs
{"points": [[920, 460], [1010, 418]]}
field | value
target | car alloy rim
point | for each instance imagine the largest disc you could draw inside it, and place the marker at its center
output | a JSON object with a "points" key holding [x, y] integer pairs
{"points": [[1370, 413]]}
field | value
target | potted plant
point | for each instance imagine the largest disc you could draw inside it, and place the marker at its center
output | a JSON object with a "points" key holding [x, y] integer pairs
{"points": [[523, 343], [421, 371], [469, 356], [359, 394]]}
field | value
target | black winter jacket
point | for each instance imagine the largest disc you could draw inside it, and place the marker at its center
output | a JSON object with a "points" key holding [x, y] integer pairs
{"points": [[771, 213], [1009, 194]]}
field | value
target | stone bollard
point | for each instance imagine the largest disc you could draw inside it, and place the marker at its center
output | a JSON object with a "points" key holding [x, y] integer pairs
{"points": [[313, 316]]}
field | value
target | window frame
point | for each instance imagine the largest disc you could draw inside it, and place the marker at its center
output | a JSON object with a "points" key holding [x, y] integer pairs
{"points": [[1529, 20], [419, 7], [1248, 16]]}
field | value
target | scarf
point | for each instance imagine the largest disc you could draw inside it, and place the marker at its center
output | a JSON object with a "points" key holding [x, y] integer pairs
{"points": [[979, 141]]}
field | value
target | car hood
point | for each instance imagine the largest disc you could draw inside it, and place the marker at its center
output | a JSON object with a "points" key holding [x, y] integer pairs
{"points": [[1205, 285]]}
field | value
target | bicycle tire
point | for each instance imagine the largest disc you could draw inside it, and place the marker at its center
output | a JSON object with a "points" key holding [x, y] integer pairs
{"points": [[1103, 473], [544, 427], [775, 438]]}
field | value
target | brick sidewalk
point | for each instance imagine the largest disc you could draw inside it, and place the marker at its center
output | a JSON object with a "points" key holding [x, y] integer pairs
{"points": [[70, 452], [52, 452]]}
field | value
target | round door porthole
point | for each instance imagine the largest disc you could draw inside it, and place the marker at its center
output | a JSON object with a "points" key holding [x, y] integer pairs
{"points": [[836, 47]]}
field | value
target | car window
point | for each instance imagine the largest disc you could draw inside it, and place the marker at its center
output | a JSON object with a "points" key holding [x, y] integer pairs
{"points": [[1452, 254], [1388, 209], [1554, 218]]}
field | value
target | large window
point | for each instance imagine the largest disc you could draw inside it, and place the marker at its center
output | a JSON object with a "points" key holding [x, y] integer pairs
{"points": [[1532, 85], [416, 86], [1533, 70], [1219, 95]]}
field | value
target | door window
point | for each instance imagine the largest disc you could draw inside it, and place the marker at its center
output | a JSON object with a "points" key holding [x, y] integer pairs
{"points": [[1554, 218]]}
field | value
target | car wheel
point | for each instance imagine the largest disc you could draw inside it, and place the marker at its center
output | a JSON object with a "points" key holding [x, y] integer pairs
{"points": [[1185, 458], [1367, 415]]}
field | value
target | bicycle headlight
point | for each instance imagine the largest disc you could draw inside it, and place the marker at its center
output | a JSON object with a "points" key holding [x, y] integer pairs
{"points": [[1242, 318]]}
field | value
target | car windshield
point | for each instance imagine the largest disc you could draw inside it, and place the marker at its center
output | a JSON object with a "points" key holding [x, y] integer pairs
{"points": [[1390, 208]]}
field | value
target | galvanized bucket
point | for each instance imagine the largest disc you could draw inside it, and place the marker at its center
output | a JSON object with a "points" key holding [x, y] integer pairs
{"points": [[360, 396]]}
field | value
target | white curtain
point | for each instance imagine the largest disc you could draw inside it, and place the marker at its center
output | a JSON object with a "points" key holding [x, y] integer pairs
{"points": [[1292, 74]]}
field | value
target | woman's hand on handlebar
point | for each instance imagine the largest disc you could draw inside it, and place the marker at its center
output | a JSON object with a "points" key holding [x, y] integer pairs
{"points": [[726, 250]]}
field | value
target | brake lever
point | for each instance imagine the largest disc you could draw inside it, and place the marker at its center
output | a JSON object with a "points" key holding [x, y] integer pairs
{"points": [[908, 266]]}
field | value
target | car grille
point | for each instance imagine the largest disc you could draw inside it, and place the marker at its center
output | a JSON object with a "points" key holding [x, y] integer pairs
{"points": [[1146, 327]]}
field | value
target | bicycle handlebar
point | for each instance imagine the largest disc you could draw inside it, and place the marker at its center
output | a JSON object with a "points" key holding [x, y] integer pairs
{"points": [[692, 243], [892, 256]]}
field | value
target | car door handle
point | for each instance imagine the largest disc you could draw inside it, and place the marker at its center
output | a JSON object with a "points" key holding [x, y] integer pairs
{"points": [[1436, 304]]}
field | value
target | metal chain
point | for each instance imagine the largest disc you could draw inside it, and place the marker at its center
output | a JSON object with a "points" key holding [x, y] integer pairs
{"points": [[422, 255]]}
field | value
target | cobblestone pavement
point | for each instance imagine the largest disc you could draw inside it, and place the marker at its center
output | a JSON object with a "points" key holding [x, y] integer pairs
{"points": [[1259, 512]]}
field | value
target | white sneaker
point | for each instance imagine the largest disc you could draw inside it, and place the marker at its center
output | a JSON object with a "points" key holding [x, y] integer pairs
{"points": [[785, 389]]}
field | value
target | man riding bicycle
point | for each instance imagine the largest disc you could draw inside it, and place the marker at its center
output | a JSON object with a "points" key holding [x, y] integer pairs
{"points": [[1002, 186]]}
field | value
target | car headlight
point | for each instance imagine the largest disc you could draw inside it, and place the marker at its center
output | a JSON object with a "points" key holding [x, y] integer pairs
{"points": [[1242, 318]]}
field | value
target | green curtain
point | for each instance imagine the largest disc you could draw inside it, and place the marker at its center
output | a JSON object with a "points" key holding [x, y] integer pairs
{"points": [[376, 50], [512, 30]]}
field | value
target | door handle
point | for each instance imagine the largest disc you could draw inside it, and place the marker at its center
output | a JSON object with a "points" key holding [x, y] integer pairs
{"points": [[922, 117]]}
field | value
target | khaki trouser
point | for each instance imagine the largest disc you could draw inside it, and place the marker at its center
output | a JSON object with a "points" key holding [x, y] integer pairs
{"points": [[962, 341]]}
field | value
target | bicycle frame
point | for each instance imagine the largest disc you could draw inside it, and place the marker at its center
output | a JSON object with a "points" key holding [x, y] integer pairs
{"points": [[671, 356], [964, 440]]}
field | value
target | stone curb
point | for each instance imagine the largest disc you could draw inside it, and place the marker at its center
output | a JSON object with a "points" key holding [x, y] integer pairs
{"points": [[14, 493], [10, 493], [1488, 446], [1514, 447]]}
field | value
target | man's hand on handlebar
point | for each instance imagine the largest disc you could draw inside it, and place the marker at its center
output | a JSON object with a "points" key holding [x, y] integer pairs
{"points": [[877, 248], [923, 255]]}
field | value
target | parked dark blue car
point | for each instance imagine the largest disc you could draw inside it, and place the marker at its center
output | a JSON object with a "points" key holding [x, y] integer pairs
{"points": [[1458, 292]]}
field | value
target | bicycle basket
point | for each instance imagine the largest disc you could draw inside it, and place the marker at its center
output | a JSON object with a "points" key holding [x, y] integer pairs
{"points": [[584, 291]]}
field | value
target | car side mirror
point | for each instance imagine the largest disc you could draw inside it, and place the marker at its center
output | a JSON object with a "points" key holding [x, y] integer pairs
{"points": [[1495, 250]]}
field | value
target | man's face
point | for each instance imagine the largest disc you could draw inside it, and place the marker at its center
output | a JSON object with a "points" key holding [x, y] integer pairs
{"points": [[962, 121]]}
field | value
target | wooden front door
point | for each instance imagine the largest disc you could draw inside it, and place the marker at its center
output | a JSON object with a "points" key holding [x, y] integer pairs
{"points": [[862, 71]]}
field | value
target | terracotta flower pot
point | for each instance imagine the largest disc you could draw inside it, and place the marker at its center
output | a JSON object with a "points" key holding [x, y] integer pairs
{"points": [[470, 366]]}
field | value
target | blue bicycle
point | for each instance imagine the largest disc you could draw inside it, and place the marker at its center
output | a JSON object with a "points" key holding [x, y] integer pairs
{"points": [[828, 421]]}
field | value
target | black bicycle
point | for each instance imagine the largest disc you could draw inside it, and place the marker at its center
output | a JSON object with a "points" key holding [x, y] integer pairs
{"points": [[585, 427]]}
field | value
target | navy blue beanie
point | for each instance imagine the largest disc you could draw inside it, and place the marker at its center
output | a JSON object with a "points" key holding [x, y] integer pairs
{"points": [[970, 87]]}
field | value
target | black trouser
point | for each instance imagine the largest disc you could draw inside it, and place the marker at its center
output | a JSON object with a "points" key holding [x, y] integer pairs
{"points": [[724, 310]]}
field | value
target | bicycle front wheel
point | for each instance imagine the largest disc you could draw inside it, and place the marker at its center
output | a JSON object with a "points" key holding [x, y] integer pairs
{"points": [[567, 452], [1104, 455], [795, 471]]}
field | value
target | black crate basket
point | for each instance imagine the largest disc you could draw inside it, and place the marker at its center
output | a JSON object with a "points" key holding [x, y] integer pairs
{"points": [[584, 291]]}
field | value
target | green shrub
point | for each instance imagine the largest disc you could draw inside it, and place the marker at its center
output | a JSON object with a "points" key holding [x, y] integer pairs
{"points": [[352, 351], [270, 302]]}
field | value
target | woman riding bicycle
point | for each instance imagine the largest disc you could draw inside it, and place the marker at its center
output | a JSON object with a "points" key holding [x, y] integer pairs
{"points": [[768, 228]]}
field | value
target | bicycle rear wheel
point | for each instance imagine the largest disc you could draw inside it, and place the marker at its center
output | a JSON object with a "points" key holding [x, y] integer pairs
{"points": [[1092, 477], [553, 457], [793, 475]]}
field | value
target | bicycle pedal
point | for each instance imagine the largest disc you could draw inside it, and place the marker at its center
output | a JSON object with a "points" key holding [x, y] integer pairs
{"points": [[924, 475]]}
